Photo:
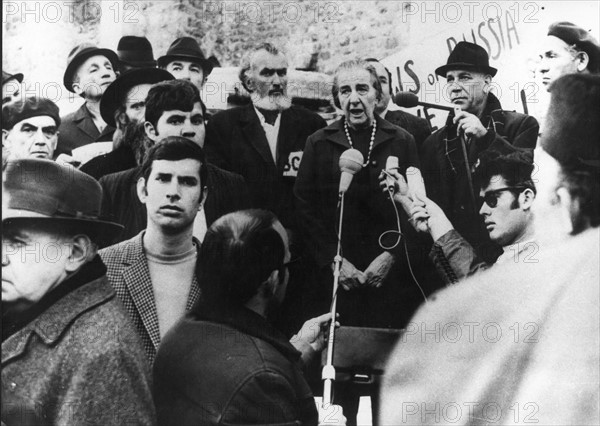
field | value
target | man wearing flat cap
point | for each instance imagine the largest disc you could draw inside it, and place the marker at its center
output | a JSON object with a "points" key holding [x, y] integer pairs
{"points": [[185, 61], [567, 49], [69, 353], [135, 52], [89, 72], [123, 106], [478, 124], [30, 129], [11, 87], [531, 350]]}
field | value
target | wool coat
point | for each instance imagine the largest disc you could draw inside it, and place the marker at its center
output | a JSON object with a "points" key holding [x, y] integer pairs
{"points": [[78, 129], [78, 363]]}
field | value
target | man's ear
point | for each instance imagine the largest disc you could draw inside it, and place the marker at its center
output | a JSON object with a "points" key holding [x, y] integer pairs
{"points": [[150, 131], [526, 199], [82, 251], [142, 192], [250, 83], [583, 61], [269, 287]]}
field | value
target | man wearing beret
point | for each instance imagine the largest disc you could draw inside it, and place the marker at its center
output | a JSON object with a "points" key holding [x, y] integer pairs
{"points": [[89, 72], [123, 106], [30, 128], [567, 49], [478, 124], [69, 353], [522, 339], [185, 61]]}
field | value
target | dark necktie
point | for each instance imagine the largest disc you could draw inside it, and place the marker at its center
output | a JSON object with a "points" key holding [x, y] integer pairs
{"points": [[270, 116]]}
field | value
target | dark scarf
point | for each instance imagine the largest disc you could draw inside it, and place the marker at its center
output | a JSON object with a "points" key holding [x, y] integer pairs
{"points": [[269, 115], [12, 323]]}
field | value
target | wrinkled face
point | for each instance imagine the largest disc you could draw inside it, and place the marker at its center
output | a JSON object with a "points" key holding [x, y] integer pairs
{"points": [[506, 222], [383, 77], [11, 91], [172, 194], [94, 75], [187, 70], [556, 60], [468, 89], [357, 96], [34, 137], [188, 124], [267, 78], [135, 102], [33, 263]]}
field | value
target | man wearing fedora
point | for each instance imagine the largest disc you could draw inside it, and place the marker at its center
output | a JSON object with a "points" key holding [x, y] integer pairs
{"points": [[525, 340], [11, 87], [30, 129], [123, 106], [185, 61], [69, 353], [135, 52], [567, 49], [478, 124], [89, 72]]}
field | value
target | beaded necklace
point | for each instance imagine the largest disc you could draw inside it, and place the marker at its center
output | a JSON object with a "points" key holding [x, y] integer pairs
{"points": [[370, 143]]}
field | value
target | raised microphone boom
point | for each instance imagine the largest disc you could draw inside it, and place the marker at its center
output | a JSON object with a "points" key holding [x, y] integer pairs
{"points": [[410, 100]]}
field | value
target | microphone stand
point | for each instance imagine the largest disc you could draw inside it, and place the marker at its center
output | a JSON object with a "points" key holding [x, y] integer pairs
{"points": [[463, 145], [328, 372]]}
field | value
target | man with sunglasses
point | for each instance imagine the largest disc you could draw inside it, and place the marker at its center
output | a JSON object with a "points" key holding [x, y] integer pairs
{"points": [[507, 192], [520, 343]]}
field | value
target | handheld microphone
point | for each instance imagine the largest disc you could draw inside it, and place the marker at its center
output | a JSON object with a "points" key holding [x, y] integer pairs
{"points": [[415, 181], [410, 100], [351, 162], [390, 164]]}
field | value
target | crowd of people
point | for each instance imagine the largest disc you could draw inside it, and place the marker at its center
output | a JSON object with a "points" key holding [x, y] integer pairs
{"points": [[186, 276]]}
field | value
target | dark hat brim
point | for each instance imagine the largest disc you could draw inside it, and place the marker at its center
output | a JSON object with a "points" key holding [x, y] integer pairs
{"points": [[137, 64], [207, 66], [117, 90], [102, 232], [79, 59], [441, 71], [18, 76]]}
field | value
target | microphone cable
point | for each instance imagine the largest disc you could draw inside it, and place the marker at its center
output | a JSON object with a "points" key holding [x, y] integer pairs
{"points": [[400, 235]]}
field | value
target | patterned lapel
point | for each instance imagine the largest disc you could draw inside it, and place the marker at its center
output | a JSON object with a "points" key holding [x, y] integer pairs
{"points": [[136, 276]]}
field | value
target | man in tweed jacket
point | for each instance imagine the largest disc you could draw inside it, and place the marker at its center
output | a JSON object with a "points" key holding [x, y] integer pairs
{"points": [[154, 273]]}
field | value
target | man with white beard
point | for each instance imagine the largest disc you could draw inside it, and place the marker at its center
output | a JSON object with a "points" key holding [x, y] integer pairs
{"points": [[264, 141]]}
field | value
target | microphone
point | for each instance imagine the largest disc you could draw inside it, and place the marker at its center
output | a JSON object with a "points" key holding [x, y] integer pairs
{"points": [[351, 162], [410, 100], [416, 184], [390, 164]]}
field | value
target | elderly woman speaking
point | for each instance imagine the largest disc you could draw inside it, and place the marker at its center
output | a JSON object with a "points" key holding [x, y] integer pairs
{"points": [[379, 291]]}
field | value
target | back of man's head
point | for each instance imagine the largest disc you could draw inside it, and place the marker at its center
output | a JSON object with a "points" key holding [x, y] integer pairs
{"points": [[239, 253], [572, 138], [171, 95]]}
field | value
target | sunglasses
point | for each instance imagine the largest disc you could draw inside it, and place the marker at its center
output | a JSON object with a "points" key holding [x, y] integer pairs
{"points": [[491, 197], [291, 262]]}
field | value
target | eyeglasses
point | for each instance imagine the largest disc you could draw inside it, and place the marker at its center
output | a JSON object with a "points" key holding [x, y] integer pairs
{"points": [[491, 197]]}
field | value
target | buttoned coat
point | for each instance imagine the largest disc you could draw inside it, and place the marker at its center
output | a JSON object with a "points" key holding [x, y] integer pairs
{"points": [[78, 129], [236, 141], [79, 362], [367, 214], [129, 274]]}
